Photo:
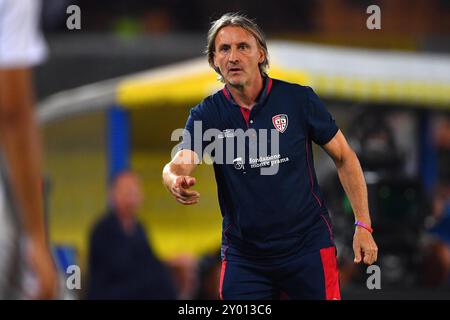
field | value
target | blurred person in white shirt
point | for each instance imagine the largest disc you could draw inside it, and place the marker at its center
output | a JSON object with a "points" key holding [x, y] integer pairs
{"points": [[21, 194]]}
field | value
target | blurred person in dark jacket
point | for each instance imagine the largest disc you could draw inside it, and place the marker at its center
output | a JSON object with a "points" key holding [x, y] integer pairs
{"points": [[437, 251], [122, 264]]}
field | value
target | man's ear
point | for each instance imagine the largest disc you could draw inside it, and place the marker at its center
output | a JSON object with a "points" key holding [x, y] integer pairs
{"points": [[262, 55]]}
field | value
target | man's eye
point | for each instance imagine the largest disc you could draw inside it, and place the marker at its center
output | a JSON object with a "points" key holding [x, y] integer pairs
{"points": [[224, 49], [243, 46]]}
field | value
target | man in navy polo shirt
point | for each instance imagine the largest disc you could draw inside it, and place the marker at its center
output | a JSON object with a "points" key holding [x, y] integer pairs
{"points": [[277, 238]]}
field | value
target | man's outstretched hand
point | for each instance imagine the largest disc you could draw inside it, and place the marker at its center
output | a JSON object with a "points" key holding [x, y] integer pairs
{"points": [[179, 190]]}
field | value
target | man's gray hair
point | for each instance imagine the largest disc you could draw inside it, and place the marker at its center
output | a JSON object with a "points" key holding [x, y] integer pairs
{"points": [[238, 20]]}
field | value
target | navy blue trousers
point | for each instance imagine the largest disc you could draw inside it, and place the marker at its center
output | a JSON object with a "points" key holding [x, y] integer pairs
{"points": [[309, 273]]}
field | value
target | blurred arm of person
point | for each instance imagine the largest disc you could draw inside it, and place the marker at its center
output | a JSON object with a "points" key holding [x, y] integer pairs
{"points": [[184, 267], [177, 177], [353, 182], [21, 48]]}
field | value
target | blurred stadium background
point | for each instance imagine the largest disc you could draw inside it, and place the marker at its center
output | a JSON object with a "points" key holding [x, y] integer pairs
{"points": [[107, 98]]}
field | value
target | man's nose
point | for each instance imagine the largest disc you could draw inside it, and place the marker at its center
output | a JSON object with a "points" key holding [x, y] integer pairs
{"points": [[234, 55]]}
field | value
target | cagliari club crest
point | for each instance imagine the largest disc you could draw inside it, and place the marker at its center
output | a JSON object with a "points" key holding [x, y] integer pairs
{"points": [[280, 122]]}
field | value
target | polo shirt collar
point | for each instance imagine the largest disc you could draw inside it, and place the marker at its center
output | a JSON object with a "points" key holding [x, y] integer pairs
{"points": [[267, 86]]}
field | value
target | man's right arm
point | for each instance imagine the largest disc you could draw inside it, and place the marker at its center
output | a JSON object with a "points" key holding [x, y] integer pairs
{"points": [[177, 176]]}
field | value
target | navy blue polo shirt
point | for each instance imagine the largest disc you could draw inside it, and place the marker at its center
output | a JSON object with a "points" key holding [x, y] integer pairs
{"points": [[265, 214]]}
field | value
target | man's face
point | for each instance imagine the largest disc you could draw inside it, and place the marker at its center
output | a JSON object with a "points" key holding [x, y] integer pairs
{"points": [[237, 56], [127, 195]]}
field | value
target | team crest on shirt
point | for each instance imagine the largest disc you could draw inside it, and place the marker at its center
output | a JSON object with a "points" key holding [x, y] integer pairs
{"points": [[280, 122]]}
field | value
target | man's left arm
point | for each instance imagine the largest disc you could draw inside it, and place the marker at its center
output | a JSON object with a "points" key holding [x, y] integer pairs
{"points": [[353, 182]]}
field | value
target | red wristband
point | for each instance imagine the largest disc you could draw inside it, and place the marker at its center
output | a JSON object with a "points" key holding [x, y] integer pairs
{"points": [[363, 225]]}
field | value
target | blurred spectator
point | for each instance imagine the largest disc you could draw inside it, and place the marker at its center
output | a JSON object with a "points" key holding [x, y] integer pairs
{"points": [[184, 269], [122, 265], [437, 252]]}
